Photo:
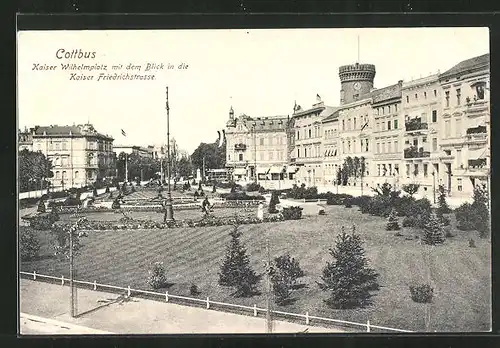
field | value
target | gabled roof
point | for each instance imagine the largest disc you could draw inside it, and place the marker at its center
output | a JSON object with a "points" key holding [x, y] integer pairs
{"points": [[265, 123], [468, 65]]}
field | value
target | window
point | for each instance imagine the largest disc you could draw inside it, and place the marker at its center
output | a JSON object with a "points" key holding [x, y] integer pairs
{"points": [[447, 96], [298, 135], [435, 93], [343, 124], [396, 146], [378, 147], [408, 170], [434, 144], [458, 127], [395, 107], [390, 169], [64, 176], [354, 127], [383, 147], [415, 169], [459, 184], [305, 151], [378, 169], [434, 115], [261, 140], [458, 96], [58, 175], [298, 153], [407, 99], [447, 128], [459, 158], [240, 157], [76, 174], [349, 124], [415, 142], [349, 146], [366, 145], [343, 146], [57, 146], [354, 145], [425, 95], [416, 96], [64, 145], [309, 133], [425, 170], [395, 124], [480, 90], [388, 125], [389, 147], [378, 127], [424, 139]]}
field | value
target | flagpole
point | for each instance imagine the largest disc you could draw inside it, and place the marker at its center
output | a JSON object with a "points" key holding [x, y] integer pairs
{"points": [[169, 211]]}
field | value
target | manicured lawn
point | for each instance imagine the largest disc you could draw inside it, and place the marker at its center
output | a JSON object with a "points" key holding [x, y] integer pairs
{"points": [[459, 274]]}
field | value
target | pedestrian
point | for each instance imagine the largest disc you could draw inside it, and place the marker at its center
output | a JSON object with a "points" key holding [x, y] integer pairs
{"points": [[205, 206]]}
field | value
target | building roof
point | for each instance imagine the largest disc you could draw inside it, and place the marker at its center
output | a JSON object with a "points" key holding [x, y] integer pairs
{"points": [[333, 116], [79, 130], [467, 65], [266, 123], [386, 93]]}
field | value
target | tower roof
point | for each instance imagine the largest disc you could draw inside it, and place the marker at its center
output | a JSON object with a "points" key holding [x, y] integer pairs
{"points": [[357, 72]]}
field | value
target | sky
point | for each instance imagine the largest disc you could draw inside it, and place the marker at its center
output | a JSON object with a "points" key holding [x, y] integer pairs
{"points": [[258, 72]]}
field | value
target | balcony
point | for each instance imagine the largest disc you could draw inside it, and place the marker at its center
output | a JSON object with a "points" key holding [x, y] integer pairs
{"points": [[476, 130], [240, 147], [414, 152], [477, 107], [478, 163], [415, 125]]}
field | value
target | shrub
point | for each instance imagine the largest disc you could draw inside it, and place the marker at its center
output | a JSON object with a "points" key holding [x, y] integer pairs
{"points": [[433, 231], [348, 202], [281, 288], [289, 267], [29, 246], [421, 293], [116, 204], [72, 201], [272, 203], [411, 189], [410, 221], [42, 221], [363, 202], [392, 222], [157, 278], [443, 207], [475, 216], [404, 205], [41, 206], [193, 290], [241, 196], [444, 220], [292, 213], [348, 278], [380, 206], [253, 186]]}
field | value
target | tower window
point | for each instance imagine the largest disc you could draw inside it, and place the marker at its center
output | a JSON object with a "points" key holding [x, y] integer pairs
{"points": [[407, 99]]}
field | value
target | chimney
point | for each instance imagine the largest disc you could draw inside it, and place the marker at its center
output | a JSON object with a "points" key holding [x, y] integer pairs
{"points": [[400, 82]]}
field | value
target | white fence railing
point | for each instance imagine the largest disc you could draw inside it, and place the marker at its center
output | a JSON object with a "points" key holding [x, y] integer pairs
{"points": [[207, 302]]}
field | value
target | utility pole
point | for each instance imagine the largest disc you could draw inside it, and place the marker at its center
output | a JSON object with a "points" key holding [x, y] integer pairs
{"points": [[254, 154], [268, 291], [126, 167], [203, 173]]}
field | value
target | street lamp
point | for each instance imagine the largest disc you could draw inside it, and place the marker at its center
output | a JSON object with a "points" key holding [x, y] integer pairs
{"points": [[434, 186], [169, 210]]}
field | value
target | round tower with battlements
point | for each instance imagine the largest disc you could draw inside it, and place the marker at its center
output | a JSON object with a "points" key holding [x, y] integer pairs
{"points": [[356, 80]]}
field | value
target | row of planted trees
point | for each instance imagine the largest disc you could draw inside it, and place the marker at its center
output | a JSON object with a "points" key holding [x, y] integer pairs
{"points": [[353, 167]]}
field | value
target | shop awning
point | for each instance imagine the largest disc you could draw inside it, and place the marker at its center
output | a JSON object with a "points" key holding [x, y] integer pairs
{"points": [[262, 170], [239, 171], [276, 170], [292, 169]]}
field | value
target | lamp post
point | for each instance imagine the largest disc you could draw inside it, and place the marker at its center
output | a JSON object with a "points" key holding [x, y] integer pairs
{"points": [[434, 186], [169, 211]]}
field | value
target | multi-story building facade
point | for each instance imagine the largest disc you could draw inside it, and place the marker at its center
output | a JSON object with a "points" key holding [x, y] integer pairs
{"points": [[79, 154], [386, 134], [308, 153], [331, 149], [465, 124], [429, 131], [25, 140], [257, 149], [422, 112]]}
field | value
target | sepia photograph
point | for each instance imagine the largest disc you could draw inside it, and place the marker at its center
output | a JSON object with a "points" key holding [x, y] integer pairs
{"points": [[254, 181]]}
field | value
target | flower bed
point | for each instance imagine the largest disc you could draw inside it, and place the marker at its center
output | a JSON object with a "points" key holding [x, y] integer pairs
{"points": [[128, 223]]}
